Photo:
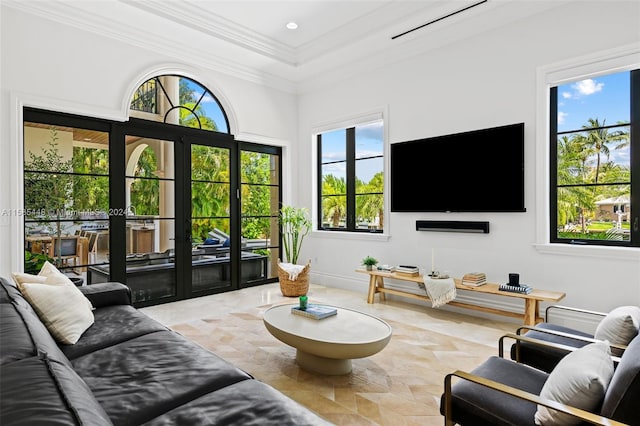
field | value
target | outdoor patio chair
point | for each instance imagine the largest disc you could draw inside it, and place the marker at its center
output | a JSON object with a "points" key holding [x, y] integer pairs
{"points": [[618, 327], [504, 392]]}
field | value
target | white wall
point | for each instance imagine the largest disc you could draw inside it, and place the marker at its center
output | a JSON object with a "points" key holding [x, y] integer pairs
{"points": [[480, 82], [485, 81], [52, 66]]}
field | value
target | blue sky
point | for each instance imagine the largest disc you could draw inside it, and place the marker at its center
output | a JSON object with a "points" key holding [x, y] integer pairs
{"points": [[605, 98], [209, 104], [369, 142]]}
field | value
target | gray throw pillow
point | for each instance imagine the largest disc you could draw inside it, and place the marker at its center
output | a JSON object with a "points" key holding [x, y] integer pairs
{"points": [[620, 326]]}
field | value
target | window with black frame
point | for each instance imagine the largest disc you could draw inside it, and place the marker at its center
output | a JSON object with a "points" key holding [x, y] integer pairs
{"points": [[592, 137], [351, 178]]}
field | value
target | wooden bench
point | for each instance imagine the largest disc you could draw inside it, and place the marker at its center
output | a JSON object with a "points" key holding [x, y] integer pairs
{"points": [[531, 314]]}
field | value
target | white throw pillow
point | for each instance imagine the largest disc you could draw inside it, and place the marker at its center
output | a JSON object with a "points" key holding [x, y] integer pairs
{"points": [[620, 326], [49, 274], [61, 308], [580, 380]]}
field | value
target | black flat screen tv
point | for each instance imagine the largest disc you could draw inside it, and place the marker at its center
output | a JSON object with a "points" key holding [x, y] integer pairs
{"points": [[476, 171]]}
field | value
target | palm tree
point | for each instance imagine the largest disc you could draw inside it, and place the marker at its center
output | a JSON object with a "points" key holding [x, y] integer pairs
{"points": [[373, 203], [334, 201], [598, 139]]}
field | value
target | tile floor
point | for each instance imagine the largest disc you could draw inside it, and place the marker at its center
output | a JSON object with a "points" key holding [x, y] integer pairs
{"points": [[401, 385]]}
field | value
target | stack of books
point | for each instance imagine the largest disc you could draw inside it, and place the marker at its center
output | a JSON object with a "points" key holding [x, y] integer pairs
{"points": [[474, 279], [314, 311], [523, 289], [408, 270]]}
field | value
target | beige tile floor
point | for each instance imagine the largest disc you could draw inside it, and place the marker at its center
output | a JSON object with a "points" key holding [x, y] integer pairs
{"points": [[401, 385]]}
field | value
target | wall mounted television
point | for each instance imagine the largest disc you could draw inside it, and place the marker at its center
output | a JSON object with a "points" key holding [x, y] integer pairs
{"points": [[475, 171]]}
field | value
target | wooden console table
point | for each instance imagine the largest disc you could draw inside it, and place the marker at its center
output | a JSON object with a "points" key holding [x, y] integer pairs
{"points": [[531, 314]]}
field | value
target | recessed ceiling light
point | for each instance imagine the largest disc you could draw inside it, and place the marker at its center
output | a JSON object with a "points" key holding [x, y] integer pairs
{"points": [[292, 25]]}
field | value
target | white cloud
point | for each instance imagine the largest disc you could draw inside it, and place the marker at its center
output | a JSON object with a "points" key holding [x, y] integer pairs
{"points": [[587, 87], [566, 95], [561, 117], [208, 99]]}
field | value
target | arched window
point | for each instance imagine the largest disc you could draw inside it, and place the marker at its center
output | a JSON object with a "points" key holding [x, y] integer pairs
{"points": [[179, 100]]}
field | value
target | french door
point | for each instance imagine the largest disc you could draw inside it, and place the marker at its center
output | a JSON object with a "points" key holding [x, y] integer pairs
{"points": [[190, 212]]}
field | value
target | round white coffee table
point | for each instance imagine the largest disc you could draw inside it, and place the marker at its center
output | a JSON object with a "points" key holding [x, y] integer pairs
{"points": [[328, 345]]}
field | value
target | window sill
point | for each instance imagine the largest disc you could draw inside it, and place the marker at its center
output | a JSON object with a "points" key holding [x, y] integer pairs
{"points": [[600, 252], [346, 235]]}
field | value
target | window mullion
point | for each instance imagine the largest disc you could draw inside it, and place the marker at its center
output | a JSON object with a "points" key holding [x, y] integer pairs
{"points": [[351, 178], [319, 191], [635, 157]]}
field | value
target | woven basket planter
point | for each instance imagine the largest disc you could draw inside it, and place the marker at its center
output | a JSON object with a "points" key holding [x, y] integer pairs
{"points": [[296, 288]]}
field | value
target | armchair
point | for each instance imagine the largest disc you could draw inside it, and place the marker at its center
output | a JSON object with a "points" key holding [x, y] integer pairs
{"points": [[618, 327], [504, 392]]}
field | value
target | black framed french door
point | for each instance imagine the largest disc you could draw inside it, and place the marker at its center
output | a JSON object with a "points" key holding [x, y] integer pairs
{"points": [[176, 193], [171, 211]]}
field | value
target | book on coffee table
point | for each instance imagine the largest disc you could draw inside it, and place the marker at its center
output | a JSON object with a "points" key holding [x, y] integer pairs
{"points": [[314, 311]]}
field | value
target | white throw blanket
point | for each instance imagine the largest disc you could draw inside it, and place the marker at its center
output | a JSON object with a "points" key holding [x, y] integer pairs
{"points": [[292, 269], [440, 292]]}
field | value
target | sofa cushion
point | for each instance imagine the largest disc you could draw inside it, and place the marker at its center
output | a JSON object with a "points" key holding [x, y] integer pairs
{"points": [[107, 294], [621, 400], [619, 326], [142, 378], [49, 274], [32, 337], [580, 380], [15, 343], [113, 325], [477, 405], [545, 358], [247, 403], [62, 309], [42, 391]]}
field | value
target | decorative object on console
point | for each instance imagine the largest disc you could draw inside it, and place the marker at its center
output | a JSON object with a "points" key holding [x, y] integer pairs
{"points": [[314, 311], [521, 288], [409, 270], [439, 291], [369, 262], [474, 279], [384, 268], [514, 285]]}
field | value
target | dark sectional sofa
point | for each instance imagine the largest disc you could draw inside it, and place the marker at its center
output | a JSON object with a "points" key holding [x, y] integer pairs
{"points": [[126, 369]]}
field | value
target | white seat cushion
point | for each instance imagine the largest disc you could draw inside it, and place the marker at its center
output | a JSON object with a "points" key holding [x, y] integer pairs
{"points": [[61, 308], [580, 380], [620, 326], [60, 305]]}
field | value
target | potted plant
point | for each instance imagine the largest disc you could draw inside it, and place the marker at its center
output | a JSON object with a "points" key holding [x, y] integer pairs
{"points": [[369, 262], [294, 226]]}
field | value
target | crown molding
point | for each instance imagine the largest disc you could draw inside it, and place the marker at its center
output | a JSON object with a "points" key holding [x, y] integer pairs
{"points": [[190, 15], [62, 12]]}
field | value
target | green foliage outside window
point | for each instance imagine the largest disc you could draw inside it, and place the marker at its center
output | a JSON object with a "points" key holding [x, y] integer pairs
{"points": [[145, 193], [586, 174]]}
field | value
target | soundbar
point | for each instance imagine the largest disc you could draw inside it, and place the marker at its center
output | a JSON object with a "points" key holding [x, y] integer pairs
{"points": [[452, 226]]}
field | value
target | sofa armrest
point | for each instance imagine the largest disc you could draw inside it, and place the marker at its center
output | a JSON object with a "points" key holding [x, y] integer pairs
{"points": [[572, 411], [520, 338], [107, 294], [551, 308], [567, 335]]}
